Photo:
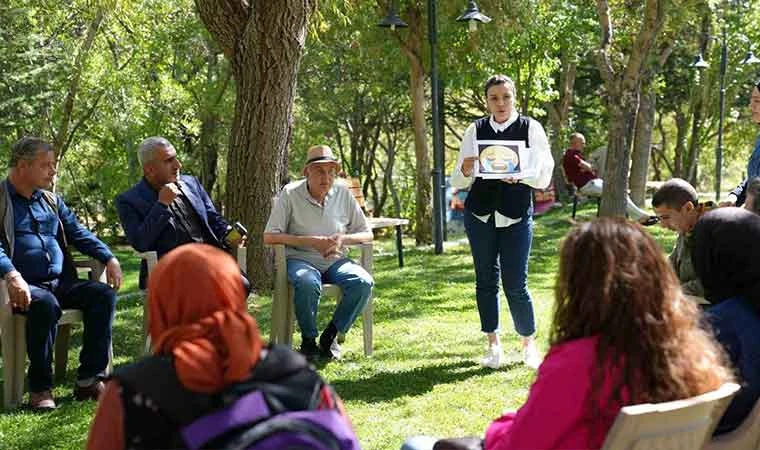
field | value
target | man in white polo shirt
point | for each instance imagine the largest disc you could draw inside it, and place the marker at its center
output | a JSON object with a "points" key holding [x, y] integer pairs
{"points": [[315, 219]]}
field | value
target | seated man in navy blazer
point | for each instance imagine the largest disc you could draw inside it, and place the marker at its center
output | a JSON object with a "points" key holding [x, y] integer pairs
{"points": [[166, 209]]}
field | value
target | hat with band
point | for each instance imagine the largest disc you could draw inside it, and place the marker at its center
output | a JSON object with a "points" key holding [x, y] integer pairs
{"points": [[320, 154]]}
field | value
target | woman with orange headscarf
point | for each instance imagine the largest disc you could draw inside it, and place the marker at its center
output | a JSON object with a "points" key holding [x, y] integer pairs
{"points": [[205, 340]]}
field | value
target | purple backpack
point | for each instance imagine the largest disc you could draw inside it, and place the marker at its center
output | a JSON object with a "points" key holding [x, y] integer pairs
{"points": [[285, 404], [256, 427]]}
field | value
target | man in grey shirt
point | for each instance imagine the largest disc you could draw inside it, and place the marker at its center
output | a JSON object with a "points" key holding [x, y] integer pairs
{"points": [[315, 219]]}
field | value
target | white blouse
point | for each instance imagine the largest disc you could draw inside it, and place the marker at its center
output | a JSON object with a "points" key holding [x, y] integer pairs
{"points": [[539, 146]]}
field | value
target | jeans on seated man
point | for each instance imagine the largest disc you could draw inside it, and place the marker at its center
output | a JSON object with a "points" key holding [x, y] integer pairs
{"points": [[36, 263], [315, 219], [165, 209], [583, 176]]}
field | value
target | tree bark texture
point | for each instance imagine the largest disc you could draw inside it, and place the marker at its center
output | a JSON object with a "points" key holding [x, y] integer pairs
{"points": [[423, 221], [642, 144], [264, 44], [622, 87], [681, 121], [694, 142], [558, 113]]}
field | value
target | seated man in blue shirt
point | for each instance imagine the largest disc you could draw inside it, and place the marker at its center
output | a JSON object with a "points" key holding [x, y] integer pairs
{"points": [[165, 209], [42, 280]]}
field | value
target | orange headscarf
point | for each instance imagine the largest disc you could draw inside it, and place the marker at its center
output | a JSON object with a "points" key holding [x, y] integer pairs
{"points": [[198, 314]]}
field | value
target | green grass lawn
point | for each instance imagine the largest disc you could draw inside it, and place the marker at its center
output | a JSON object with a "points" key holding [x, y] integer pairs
{"points": [[423, 377]]}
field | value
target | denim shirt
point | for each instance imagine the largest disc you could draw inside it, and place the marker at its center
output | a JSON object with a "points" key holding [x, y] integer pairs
{"points": [[736, 324], [37, 255], [753, 166]]}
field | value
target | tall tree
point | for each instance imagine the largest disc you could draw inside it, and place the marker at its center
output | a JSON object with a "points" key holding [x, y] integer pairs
{"points": [[622, 84], [559, 112], [63, 135], [642, 143], [412, 46], [264, 44]]}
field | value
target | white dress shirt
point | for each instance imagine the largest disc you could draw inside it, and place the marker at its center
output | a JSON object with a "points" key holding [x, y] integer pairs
{"points": [[541, 154]]}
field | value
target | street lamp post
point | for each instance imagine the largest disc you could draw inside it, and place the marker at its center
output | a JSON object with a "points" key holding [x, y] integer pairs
{"points": [[722, 113], [438, 180], [472, 15], [700, 64]]}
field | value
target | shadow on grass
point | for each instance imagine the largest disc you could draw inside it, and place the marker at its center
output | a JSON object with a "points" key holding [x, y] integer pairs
{"points": [[418, 381]]}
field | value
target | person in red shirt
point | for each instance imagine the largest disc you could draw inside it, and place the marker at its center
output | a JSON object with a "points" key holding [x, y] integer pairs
{"points": [[582, 174]]}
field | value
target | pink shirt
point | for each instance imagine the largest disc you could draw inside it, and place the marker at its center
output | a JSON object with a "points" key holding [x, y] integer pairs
{"points": [[558, 414]]}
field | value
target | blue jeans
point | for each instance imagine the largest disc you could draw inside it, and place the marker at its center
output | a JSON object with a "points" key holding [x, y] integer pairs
{"points": [[97, 302], [355, 285], [506, 251]]}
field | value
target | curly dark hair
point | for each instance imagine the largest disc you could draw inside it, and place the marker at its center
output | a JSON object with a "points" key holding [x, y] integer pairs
{"points": [[615, 283]]}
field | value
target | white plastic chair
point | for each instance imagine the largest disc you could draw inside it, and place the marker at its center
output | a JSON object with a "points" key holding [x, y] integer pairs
{"points": [[745, 437], [13, 334], [151, 259], [283, 309], [677, 425]]}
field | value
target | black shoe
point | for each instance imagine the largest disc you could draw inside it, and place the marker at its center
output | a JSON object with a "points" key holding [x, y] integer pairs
{"points": [[328, 347], [91, 392], [309, 348]]}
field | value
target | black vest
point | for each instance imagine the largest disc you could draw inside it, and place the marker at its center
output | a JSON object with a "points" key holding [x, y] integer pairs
{"points": [[486, 196]]}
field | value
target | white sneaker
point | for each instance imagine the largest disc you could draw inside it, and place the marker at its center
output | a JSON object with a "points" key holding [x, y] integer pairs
{"points": [[494, 357], [531, 357], [335, 351]]}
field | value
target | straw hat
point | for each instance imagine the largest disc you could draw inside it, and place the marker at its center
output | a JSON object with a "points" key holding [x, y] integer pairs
{"points": [[321, 154]]}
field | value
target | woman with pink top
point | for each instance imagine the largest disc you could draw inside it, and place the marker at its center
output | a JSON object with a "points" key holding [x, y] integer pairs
{"points": [[622, 334]]}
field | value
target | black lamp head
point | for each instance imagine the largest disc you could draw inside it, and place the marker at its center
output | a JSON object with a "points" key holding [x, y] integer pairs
{"points": [[392, 20], [472, 15]]}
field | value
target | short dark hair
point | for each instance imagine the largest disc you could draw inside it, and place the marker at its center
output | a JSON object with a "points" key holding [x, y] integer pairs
{"points": [[674, 193], [26, 148], [496, 80]]}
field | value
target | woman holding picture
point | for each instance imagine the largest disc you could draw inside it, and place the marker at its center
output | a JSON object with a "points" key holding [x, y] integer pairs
{"points": [[498, 212]]}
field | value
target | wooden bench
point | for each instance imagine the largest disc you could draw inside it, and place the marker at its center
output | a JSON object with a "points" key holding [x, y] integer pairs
{"points": [[355, 186]]}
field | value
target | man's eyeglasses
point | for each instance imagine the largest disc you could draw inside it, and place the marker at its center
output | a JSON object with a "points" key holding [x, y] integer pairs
{"points": [[651, 220]]}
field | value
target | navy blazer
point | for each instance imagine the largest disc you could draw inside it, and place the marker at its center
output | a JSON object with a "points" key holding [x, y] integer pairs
{"points": [[146, 221]]}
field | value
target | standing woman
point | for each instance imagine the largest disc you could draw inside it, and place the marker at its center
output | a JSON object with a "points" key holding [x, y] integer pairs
{"points": [[498, 216], [738, 196]]}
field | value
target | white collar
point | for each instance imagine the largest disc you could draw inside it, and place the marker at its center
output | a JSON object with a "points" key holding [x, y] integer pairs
{"points": [[499, 127]]}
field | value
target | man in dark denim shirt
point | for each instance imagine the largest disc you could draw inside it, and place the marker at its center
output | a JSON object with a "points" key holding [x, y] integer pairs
{"points": [[41, 278]]}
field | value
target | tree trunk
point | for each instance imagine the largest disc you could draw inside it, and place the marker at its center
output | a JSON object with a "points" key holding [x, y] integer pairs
{"points": [[642, 144], [618, 156], [558, 113], [264, 46], [423, 221], [622, 86], [209, 150], [63, 137], [694, 146], [681, 121]]}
